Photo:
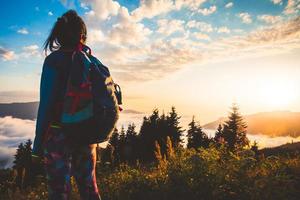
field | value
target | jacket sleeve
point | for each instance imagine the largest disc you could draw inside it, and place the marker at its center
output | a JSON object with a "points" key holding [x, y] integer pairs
{"points": [[48, 93]]}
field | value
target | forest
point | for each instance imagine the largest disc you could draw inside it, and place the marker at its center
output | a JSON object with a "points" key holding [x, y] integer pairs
{"points": [[165, 161]]}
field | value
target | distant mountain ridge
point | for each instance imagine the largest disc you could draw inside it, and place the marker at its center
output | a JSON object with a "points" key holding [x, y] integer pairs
{"points": [[26, 110], [277, 123], [289, 148]]}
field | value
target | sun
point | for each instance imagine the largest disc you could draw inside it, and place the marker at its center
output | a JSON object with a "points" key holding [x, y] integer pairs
{"points": [[277, 94]]}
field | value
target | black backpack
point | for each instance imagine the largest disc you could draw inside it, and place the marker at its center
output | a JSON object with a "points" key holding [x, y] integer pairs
{"points": [[90, 108]]}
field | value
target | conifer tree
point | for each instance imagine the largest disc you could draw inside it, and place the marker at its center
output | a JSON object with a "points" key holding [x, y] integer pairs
{"points": [[114, 141], [235, 130], [23, 165], [148, 135], [196, 137], [219, 137], [174, 130], [131, 142]]}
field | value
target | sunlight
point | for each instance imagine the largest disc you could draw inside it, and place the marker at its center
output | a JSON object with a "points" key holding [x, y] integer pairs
{"points": [[277, 94]]}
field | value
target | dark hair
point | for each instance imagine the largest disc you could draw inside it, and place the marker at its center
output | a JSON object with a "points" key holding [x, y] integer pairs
{"points": [[66, 32]]}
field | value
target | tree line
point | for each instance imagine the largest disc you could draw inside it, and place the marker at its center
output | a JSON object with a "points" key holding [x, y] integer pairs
{"points": [[158, 137], [129, 146]]}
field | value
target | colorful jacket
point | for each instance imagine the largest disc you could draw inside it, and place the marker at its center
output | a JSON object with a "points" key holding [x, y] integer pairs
{"points": [[52, 87]]}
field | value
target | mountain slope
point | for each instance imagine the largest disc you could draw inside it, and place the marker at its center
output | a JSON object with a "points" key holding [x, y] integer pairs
{"points": [[279, 123], [26, 110]]}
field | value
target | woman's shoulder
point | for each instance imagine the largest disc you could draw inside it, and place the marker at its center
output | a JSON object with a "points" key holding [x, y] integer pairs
{"points": [[54, 58]]}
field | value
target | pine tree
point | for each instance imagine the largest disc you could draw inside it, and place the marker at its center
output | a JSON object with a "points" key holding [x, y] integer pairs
{"points": [[149, 133], [122, 144], [196, 137], [219, 137], [114, 141], [23, 165], [131, 142], [175, 132], [235, 130]]}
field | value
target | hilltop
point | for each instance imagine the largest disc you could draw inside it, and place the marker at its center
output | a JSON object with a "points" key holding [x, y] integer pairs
{"points": [[277, 123]]}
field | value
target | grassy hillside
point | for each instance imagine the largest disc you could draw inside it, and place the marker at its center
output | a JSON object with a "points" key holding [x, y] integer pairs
{"points": [[187, 174]]}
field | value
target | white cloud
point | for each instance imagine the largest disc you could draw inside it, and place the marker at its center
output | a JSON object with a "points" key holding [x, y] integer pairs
{"points": [[151, 8], [31, 50], [6, 54], [23, 31], [84, 6], [292, 7], [202, 26], [246, 17], [13, 131], [94, 36], [201, 36], [167, 27], [270, 19], [208, 11], [102, 9], [50, 13], [126, 31], [136, 50], [191, 4], [277, 1], [229, 5], [33, 47], [223, 29]]}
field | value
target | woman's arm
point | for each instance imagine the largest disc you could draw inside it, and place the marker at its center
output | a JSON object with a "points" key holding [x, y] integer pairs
{"points": [[48, 93]]}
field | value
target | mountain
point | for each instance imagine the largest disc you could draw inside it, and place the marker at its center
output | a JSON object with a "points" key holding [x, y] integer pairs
{"points": [[26, 110], [289, 148], [29, 110], [279, 123]]}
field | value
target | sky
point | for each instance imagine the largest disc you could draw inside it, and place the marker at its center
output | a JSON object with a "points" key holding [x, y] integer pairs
{"points": [[197, 55]]}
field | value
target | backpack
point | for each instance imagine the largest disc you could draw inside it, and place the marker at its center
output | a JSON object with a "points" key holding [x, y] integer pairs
{"points": [[90, 108]]}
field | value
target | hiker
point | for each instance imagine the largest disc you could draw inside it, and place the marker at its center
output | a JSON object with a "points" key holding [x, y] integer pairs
{"points": [[73, 152]]}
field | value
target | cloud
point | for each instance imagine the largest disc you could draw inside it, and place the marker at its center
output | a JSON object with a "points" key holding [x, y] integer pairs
{"points": [[103, 9], [223, 29], [208, 11], [202, 26], [246, 17], [6, 54], [152, 8], [270, 19], [277, 1], [229, 5], [13, 131], [167, 27], [23, 31], [292, 7], [190, 4], [201, 36], [144, 51], [279, 38], [127, 32], [30, 50], [50, 13]]}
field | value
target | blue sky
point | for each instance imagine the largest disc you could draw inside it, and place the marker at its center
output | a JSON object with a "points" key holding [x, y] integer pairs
{"points": [[154, 43]]}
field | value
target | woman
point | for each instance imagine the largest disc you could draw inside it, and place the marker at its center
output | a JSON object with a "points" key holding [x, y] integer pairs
{"points": [[61, 159]]}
